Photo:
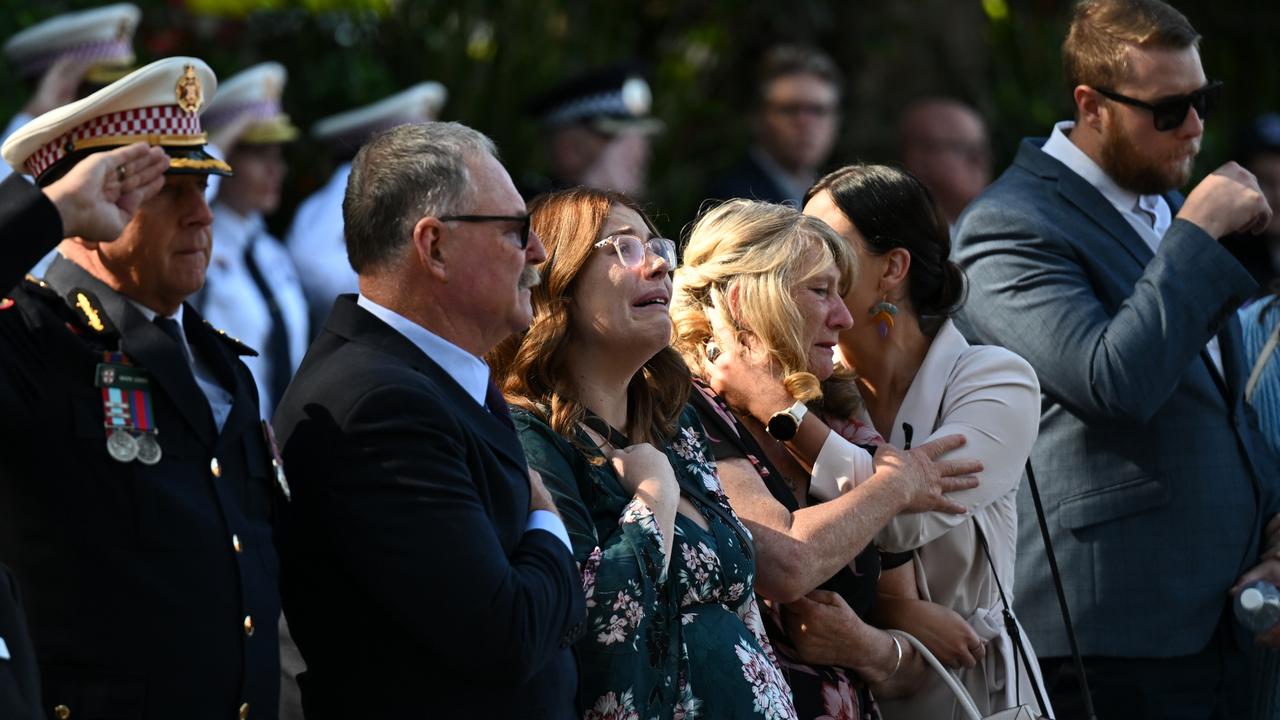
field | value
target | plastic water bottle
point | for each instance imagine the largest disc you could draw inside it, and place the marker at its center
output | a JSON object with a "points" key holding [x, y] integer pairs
{"points": [[1258, 606]]}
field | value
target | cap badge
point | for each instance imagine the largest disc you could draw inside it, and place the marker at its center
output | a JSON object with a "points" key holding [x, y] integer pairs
{"points": [[190, 96], [636, 96]]}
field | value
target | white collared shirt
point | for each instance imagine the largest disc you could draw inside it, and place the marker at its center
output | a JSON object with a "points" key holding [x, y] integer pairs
{"points": [[471, 373], [319, 247], [220, 398], [1148, 215], [231, 300]]}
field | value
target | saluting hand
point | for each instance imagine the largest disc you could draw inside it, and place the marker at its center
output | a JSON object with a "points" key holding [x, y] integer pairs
{"points": [[99, 196]]}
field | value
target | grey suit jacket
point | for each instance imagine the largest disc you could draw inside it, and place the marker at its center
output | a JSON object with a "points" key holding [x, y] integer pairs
{"points": [[1155, 478]]}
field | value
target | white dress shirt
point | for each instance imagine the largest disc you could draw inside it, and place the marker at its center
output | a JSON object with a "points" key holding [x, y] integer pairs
{"points": [[15, 124], [471, 374], [231, 300], [1148, 215]]}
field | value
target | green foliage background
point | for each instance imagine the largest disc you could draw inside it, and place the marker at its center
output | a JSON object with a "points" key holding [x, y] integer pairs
{"points": [[1000, 55]]}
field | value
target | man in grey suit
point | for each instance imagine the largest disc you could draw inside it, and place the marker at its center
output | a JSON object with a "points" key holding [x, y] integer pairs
{"points": [[1159, 491]]}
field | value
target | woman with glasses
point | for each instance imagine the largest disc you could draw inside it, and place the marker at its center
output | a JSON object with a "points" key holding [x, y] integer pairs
{"points": [[667, 568], [764, 280]]}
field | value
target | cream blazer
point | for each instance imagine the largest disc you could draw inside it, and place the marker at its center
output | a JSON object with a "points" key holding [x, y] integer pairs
{"points": [[992, 397]]}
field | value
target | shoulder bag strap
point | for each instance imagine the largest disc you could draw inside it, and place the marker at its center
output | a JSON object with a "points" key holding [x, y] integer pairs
{"points": [[1062, 596], [1011, 624], [1267, 350]]}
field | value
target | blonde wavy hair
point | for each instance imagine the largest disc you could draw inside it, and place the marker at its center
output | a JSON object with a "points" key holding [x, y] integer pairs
{"points": [[530, 368], [757, 253]]}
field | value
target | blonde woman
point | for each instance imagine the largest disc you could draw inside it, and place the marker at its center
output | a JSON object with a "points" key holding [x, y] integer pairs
{"points": [[764, 281]]}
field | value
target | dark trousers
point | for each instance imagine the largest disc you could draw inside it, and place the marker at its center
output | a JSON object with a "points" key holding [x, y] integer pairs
{"points": [[1212, 684]]}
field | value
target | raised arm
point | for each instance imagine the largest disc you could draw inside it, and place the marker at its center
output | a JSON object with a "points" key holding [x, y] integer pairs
{"points": [[1037, 298]]}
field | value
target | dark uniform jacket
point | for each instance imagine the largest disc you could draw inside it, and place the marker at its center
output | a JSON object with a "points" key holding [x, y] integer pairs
{"points": [[19, 678], [410, 584], [151, 590]]}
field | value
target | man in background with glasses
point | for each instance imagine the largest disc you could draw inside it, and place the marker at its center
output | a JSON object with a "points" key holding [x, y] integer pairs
{"points": [[415, 523], [796, 120], [1158, 487]]}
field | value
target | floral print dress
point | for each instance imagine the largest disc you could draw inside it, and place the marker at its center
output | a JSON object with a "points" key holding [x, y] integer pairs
{"points": [[686, 642]]}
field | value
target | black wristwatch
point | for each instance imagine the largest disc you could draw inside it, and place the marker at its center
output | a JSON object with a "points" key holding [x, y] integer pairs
{"points": [[785, 424]]}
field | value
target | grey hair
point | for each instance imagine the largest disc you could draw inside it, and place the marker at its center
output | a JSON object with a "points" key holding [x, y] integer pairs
{"points": [[400, 176]]}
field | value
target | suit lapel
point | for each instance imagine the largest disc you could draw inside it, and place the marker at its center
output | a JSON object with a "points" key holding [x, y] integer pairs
{"points": [[350, 321], [145, 344]]}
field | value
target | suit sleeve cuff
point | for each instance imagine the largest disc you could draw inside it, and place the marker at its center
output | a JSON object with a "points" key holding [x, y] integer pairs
{"points": [[549, 521]]}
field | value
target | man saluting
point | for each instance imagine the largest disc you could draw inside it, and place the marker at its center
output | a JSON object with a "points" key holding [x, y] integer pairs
{"points": [[138, 485]]}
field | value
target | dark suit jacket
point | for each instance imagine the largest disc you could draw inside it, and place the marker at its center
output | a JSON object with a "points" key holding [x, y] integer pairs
{"points": [[747, 180], [19, 678], [1155, 479], [410, 585], [137, 597]]}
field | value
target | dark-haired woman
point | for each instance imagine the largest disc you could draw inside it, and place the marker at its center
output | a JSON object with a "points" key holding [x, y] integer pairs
{"points": [[673, 628], [920, 379]]}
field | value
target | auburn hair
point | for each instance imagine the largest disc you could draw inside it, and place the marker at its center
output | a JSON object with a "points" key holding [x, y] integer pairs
{"points": [[531, 368], [1096, 49]]}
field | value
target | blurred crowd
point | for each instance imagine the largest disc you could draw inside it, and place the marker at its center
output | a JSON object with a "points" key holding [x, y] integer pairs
{"points": [[882, 440]]}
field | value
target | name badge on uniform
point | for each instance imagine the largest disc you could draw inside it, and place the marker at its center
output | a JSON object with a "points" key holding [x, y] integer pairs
{"points": [[127, 414], [4, 650]]}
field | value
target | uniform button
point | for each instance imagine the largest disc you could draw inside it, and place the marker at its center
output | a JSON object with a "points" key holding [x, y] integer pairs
{"points": [[244, 711], [215, 467], [248, 625], [62, 712], [235, 543]]}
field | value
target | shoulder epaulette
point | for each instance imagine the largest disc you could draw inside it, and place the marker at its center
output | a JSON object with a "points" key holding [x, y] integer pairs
{"points": [[237, 346]]}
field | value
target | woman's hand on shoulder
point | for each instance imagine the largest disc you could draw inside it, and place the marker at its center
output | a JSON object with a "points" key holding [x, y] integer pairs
{"points": [[926, 480], [640, 462]]}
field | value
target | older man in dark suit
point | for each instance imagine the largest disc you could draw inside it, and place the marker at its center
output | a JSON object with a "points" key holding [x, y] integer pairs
{"points": [[426, 572], [1157, 483]]}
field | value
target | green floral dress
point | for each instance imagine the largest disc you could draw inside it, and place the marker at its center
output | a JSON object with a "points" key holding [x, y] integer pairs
{"points": [[685, 642]]}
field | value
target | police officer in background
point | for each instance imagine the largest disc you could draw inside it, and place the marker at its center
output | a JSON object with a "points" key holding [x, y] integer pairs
{"points": [[138, 487], [68, 56], [252, 290], [316, 240], [598, 132]]}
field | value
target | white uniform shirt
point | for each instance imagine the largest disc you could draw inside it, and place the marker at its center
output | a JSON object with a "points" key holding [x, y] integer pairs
{"points": [[231, 300], [319, 248]]}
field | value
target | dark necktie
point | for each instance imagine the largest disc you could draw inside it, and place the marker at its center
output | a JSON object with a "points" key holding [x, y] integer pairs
{"points": [[497, 405], [277, 348], [170, 327]]}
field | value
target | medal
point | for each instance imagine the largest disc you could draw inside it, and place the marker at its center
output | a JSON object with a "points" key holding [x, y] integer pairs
{"points": [[149, 449], [127, 415], [122, 446]]}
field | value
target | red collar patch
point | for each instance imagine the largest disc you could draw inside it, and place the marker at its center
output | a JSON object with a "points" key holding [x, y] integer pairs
{"points": [[6, 303]]}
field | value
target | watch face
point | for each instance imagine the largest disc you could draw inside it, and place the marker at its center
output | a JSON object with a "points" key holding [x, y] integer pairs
{"points": [[782, 426]]}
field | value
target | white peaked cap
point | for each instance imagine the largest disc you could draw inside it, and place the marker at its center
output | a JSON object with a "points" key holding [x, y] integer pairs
{"points": [[420, 103], [159, 104], [103, 35]]}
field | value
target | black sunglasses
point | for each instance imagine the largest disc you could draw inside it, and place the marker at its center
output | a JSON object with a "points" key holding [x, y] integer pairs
{"points": [[524, 220], [1169, 113]]}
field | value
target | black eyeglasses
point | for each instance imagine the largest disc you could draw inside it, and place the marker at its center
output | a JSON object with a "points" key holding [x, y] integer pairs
{"points": [[1169, 113], [524, 221]]}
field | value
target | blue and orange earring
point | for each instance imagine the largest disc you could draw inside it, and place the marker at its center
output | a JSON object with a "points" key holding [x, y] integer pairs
{"points": [[882, 315]]}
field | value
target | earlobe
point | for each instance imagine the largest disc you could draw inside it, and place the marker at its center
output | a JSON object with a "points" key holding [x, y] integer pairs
{"points": [[429, 245]]}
